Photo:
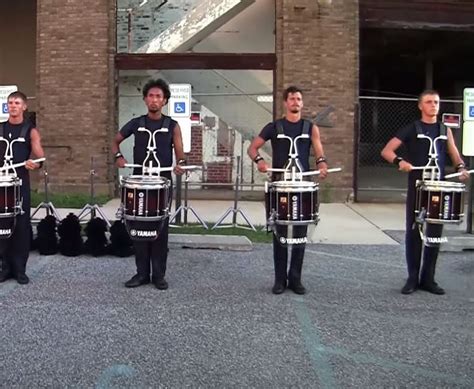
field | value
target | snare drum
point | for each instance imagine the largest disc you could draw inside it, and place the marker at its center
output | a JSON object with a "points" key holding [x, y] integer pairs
{"points": [[145, 205], [10, 204], [292, 202], [439, 202]]}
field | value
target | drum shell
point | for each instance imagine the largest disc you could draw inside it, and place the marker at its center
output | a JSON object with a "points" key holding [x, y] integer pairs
{"points": [[440, 202], [292, 203], [10, 196], [145, 197]]}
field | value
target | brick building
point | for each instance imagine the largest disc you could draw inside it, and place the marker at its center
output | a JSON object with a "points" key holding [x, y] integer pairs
{"points": [[83, 62]]}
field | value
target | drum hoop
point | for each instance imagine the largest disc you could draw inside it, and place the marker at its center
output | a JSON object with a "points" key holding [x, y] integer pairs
{"points": [[441, 185], [289, 186], [137, 182]]}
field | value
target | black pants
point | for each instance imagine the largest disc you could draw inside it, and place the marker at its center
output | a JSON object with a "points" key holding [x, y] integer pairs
{"points": [[414, 245], [14, 251], [280, 255], [155, 252]]}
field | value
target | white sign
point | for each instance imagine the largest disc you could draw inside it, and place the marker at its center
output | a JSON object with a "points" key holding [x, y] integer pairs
{"points": [[468, 139], [179, 105], [468, 104], [179, 108], [4, 92], [185, 126]]}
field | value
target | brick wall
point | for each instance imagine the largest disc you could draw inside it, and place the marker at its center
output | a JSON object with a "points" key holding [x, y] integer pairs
{"points": [[76, 90], [317, 49]]}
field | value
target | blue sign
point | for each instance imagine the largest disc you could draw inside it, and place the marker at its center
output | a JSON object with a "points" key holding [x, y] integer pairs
{"points": [[4, 108], [180, 107], [471, 111]]}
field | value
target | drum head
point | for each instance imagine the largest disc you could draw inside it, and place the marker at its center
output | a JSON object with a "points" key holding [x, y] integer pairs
{"points": [[294, 186], [145, 182], [441, 186]]}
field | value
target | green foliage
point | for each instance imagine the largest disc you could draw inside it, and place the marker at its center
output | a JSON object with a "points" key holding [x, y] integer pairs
{"points": [[259, 236], [67, 200]]}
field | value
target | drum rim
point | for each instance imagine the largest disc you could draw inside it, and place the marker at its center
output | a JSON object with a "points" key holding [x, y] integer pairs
{"points": [[441, 184], [290, 186]]}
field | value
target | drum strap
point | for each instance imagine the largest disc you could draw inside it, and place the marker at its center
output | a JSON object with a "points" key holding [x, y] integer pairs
{"points": [[166, 122], [419, 130], [24, 129], [306, 126]]}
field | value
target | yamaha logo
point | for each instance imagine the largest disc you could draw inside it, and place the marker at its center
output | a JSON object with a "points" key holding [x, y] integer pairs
{"points": [[284, 240], [6, 231], [143, 233], [294, 207], [141, 194]]}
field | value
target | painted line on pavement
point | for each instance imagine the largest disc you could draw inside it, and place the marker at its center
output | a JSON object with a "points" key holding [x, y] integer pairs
{"points": [[354, 258]]}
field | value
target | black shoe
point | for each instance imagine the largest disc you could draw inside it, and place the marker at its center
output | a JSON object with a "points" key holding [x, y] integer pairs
{"points": [[5, 276], [279, 287], [137, 280], [160, 283], [297, 287], [22, 279], [409, 287], [432, 288]]}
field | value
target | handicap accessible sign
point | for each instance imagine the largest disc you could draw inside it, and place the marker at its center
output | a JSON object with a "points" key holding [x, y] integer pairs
{"points": [[469, 104], [180, 101], [5, 90]]}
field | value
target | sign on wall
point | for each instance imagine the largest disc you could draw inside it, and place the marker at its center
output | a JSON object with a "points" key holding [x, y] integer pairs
{"points": [[5, 90], [468, 126], [179, 108]]}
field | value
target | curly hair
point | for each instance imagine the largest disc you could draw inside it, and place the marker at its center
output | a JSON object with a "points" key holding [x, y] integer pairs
{"points": [[159, 83]]}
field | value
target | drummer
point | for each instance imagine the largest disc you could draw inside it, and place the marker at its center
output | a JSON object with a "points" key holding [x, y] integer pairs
{"points": [[417, 155], [156, 94], [15, 250], [291, 125]]}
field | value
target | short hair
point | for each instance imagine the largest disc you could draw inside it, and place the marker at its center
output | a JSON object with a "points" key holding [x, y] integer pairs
{"points": [[427, 92], [291, 89], [159, 83], [17, 94]]}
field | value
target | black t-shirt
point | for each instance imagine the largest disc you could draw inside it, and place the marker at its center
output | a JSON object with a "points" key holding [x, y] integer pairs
{"points": [[281, 147], [21, 150], [418, 149], [164, 140]]}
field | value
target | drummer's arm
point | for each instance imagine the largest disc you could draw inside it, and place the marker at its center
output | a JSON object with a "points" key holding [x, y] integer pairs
{"points": [[456, 156], [252, 152], [178, 150], [121, 161], [36, 149], [388, 153], [318, 151]]}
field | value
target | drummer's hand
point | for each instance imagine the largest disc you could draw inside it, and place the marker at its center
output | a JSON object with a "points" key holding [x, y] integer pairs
{"points": [[30, 165], [178, 170], [405, 166], [464, 175], [262, 166], [120, 162], [323, 170]]}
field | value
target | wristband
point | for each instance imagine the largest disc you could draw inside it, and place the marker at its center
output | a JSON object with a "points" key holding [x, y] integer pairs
{"points": [[258, 158], [396, 161], [321, 160], [460, 166], [118, 155], [181, 162]]}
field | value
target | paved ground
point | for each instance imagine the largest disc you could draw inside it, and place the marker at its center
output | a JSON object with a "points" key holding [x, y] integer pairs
{"points": [[218, 325]]}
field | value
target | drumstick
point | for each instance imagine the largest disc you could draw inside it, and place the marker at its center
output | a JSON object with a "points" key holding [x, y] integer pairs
{"points": [[15, 165], [315, 172], [163, 169], [452, 175], [310, 173]]}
